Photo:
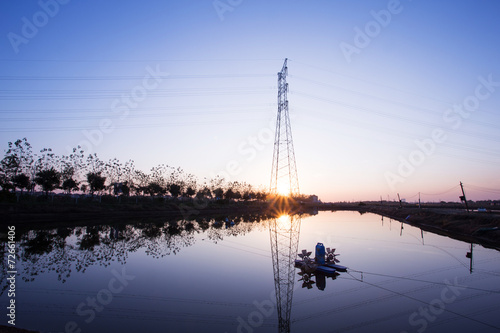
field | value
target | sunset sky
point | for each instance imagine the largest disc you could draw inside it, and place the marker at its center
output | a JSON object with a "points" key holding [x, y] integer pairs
{"points": [[385, 97]]}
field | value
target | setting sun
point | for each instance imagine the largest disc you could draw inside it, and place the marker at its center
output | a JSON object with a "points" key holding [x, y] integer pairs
{"points": [[283, 189]]}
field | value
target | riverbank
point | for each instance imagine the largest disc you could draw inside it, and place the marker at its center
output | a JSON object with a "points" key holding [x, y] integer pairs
{"points": [[447, 220], [57, 214], [11, 329]]}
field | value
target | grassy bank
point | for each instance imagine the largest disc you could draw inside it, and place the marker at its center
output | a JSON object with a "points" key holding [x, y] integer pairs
{"points": [[64, 210], [445, 219], [60, 213]]}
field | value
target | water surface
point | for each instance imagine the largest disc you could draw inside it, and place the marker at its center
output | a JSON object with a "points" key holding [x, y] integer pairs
{"points": [[214, 276]]}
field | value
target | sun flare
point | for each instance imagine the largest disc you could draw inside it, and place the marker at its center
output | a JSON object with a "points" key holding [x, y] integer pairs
{"points": [[284, 221], [283, 190], [284, 217]]}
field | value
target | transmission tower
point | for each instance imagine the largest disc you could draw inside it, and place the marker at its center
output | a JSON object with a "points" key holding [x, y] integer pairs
{"points": [[284, 232], [284, 179]]}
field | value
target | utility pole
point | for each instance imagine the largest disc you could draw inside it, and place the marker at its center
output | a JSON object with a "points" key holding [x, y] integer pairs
{"points": [[419, 207], [469, 255], [400, 204], [284, 177], [463, 198]]}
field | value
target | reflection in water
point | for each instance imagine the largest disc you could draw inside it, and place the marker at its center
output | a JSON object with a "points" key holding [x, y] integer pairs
{"points": [[284, 232], [308, 282], [74, 249], [222, 282]]}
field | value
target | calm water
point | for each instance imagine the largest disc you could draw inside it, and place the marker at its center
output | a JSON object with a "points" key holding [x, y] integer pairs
{"points": [[214, 277]]}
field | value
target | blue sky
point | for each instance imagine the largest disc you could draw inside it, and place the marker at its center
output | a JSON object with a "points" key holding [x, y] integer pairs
{"points": [[193, 84]]}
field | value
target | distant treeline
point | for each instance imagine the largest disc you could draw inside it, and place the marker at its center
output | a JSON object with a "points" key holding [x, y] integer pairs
{"points": [[22, 170]]}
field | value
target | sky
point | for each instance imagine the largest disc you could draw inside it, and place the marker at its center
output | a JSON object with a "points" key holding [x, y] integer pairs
{"points": [[385, 97]]}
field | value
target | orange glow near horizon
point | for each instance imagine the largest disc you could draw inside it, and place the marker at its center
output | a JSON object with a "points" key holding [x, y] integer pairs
{"points": [[284, 221], [283, 217], [283, 190]]}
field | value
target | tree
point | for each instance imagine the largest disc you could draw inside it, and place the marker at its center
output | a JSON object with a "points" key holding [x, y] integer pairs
{"points": [[218, 192], [48, 179], [94, 164], [156, 189], [21, 181], [142, 181], [4, 183], [232, 194], [261, 195], [175, 190], [190, 192], [125, 189], [229, 194], [95, 181], [70, 185], [71, 168], [18, 159], [204, 193], [47, 160]]}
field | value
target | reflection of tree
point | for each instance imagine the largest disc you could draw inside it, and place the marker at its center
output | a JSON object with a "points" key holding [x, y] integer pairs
{"points": [[64, 250], [171, 238], [3, 266], [90, 239], [39, 250], [40, 244]]}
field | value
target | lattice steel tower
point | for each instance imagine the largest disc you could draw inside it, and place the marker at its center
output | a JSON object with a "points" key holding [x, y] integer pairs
{"points": [[284, 179], [284, 230]]}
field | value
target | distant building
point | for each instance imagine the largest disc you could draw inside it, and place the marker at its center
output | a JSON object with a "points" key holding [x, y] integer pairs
{"points": [[313, 198]]}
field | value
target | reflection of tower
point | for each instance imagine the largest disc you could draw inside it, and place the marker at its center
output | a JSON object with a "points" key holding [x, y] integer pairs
{"points": [[284, 178], [284, 232]]}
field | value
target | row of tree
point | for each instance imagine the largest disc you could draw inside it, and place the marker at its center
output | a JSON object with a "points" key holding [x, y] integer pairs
{"points": [[21, 169]]}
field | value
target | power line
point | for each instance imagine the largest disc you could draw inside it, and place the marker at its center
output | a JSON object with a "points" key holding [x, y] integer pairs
{"points": [[444, 192], [410, 106], [396, 117], [426, 303], [133, 126], [128, 77], [140, 60], [178, 107], [323, 69]]}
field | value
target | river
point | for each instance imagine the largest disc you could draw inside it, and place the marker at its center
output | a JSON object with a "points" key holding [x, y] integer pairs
{"points": [[210, 275]]}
